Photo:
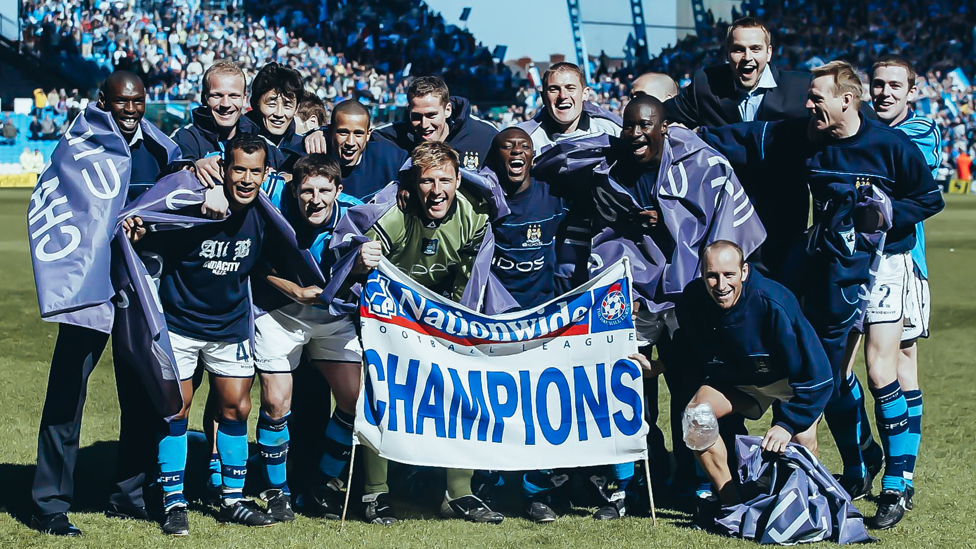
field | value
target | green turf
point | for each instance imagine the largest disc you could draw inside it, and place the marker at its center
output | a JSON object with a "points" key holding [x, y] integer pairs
{"points": [[945, 508]]}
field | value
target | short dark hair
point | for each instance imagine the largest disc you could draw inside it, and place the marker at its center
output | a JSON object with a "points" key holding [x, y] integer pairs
{"points": [[311, 106], [316, 164], [429, 85], [563, 66], [277, 77], [347, 108], [746, 23], [895, 60], [250, 143]]}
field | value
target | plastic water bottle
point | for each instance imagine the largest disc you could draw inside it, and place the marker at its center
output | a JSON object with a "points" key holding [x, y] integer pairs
{"points": [[699, 427]]}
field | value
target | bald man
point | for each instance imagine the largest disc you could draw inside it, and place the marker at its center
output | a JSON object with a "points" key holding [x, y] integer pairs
{"points": [[757, 351], [78, 348], [365, 169], [655, 84]]}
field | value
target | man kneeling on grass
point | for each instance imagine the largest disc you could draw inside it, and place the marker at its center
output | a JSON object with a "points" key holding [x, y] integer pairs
{"points": [[756, 350]]}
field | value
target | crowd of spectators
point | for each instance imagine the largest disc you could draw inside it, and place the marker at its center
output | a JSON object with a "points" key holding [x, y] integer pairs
{"points": [[363, 49], [368, 49]]}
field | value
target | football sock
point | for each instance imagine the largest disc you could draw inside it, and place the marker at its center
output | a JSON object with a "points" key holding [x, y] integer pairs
{"points": [[232, 447], [843, 415], [273, 445], [892, 416], [622, 474], [914, 400], [172, 463], [536, 483], [459, 483], [864, 427], [376, 472], [338, 445], [215, 478]]}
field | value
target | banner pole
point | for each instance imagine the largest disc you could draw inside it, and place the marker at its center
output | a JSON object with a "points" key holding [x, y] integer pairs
{"points": [[650, 491], [345, 506], [352, 454]]}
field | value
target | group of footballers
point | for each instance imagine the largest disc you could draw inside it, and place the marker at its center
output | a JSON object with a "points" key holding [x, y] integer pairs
{"points": [[736, 333]]}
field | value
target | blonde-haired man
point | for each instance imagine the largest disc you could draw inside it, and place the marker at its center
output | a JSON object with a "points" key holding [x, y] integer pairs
{"points": [[437, 241]]}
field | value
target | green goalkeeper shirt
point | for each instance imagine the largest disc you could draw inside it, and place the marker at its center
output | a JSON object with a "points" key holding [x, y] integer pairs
{"points": [[439, 255]]}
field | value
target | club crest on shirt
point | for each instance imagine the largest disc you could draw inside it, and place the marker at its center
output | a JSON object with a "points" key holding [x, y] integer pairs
{"points": [[471, 160], [428, 246], [533, 236], [762, 364]]}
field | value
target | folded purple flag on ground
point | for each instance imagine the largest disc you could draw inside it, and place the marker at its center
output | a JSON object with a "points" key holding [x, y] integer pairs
{"points": [[790, 498]]}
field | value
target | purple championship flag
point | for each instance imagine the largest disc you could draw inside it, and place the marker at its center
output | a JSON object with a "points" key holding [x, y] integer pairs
{"points": [[72, 218], [789, 498], [698, 198]]}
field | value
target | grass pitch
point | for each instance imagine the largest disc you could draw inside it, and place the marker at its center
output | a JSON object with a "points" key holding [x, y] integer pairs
{"points": [[945, 502]]}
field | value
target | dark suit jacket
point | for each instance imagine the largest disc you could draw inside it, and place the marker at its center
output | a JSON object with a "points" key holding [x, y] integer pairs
{"points": [[712, 98]]}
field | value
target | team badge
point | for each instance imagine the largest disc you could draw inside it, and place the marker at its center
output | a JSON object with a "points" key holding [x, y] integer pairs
{"points": [[429, 246], [614, 307], [862, 182], [762, 364], [533, 236], [471, 160]]}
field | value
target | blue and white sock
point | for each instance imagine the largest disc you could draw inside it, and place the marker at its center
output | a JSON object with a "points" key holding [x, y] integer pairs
{"points": [[172, 463], [914, 401], [214, 480], [892, 416], [232, 447], [338, 445], [273, 445]]}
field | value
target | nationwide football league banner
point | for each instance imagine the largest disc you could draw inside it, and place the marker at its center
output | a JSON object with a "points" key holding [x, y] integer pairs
{"points": [[537, 389]]}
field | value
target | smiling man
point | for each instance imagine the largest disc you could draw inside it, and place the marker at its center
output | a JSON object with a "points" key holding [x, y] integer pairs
{"points": [[275, 94], [745, 88], [298, 322], [150, 155], [757, 350], [205, 296], [216, 121], [367, 166], [436, 242], [566, 114], [435, 115]]}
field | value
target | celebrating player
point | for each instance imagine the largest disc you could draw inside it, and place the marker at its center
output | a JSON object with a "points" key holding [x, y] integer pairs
{"points": [[312, 203], [441, 242], [757, 350], [204, 293], [435, 115], [367, 166]]}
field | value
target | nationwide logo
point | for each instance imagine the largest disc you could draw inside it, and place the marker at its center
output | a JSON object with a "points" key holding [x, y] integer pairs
{"points": [[614, 307]]}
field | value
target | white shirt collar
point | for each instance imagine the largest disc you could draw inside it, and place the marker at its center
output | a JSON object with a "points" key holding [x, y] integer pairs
{"points": [[766, 80], [136, 137]]}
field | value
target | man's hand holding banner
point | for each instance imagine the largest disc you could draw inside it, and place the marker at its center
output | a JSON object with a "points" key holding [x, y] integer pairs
{"points": [[543, 388]]}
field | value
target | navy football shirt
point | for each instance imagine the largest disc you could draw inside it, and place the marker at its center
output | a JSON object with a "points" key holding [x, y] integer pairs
{"points": [[525, 245], [378, 166], [204, 283]]}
